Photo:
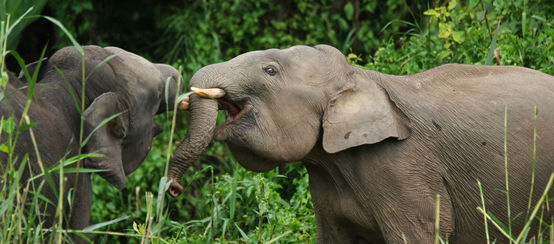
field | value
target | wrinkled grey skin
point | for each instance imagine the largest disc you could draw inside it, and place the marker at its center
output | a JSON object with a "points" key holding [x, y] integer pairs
{"points": [[379, 148], [127, 83]]}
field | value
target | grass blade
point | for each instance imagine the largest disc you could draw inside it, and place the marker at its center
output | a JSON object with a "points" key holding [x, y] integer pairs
{"points": [[107, 59], [164, 185], [493, 45], [437, 218], [533, 162], [494, 222], [279, 237], [12, 26], [71, 38], [484, 210], [244, 236], [100, 225], [106, 120], [70, 89], [536, 209], [506, 167]]}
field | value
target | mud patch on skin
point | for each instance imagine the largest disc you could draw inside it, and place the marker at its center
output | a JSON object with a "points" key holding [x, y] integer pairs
{"points": [[436, 125], [347, 135]]}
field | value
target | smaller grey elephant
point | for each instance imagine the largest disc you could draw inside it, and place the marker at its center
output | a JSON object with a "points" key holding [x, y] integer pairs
{"points": [[379, 148], [126, 84]]}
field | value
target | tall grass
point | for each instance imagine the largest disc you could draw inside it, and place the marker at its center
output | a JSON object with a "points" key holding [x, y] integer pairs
{"points": [[242, 206], [22, 204], [522, 237]]}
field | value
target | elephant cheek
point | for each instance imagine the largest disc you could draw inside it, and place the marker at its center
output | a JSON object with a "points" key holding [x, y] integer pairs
{"points": [[220, 136], [133, 156]]}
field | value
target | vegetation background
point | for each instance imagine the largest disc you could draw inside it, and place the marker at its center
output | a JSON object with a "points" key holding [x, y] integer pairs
{"points": [[223, 201]]}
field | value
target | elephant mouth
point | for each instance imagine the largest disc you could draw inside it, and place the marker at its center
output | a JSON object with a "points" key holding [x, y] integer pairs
{"points": [[234, 111]]}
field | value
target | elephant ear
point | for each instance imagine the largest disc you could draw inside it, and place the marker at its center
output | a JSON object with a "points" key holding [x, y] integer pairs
{"points": [[361, 113], [106, 137]]}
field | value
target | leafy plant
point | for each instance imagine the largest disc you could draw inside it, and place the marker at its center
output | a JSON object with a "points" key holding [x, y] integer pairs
{"points": [[224, 202], [16, 8]]}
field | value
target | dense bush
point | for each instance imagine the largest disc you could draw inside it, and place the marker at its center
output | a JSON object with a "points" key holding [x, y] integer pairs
{"points": [[223, 201], [457, 33]]}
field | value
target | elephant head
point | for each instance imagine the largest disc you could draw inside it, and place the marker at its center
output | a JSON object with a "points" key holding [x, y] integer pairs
{"points": [[127, 84], [281, 103]]}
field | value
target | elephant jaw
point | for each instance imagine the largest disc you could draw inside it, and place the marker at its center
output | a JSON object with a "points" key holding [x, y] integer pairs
{"points": [[234, 111], [251, 160]]}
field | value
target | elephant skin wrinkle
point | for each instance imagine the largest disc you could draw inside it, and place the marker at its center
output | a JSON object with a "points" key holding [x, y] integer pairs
{"points": [[379, 148], [126, 84]]}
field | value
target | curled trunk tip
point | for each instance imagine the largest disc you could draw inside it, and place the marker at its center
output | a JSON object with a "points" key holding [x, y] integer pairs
{"points": [[203, 113], [175, 189]]}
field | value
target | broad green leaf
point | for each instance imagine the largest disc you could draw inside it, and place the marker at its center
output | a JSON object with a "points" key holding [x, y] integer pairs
{"points": [[444, 54], [481, 15], [4, 148], [432, 12], [473, 3], [444, 30], [458, 36], [349, 11], [452, 4]]}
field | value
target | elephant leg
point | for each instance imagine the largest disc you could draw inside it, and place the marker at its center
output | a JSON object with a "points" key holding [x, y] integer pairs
{"points": [[329, 228], [338, 216], [411, 214]]}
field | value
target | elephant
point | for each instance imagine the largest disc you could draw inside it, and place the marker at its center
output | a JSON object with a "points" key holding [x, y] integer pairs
{"points": [[126, 84], [380, 148]]}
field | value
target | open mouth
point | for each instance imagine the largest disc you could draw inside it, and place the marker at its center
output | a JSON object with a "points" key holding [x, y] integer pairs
{"points": [[235, 110]]}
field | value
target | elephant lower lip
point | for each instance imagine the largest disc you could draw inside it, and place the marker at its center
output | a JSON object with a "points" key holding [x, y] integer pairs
{"points": [[232, 107], [234, 114]]}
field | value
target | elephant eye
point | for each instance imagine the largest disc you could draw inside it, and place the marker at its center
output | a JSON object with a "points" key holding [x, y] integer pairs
{"points": [[270, 70]]}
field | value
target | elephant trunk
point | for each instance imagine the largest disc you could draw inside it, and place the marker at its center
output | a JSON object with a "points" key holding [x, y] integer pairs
{"points": [[199, 134]]}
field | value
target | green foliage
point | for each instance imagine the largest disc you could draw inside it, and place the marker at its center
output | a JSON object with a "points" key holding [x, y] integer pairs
{"points": [[71, 13], [458, 33], [224, 202], [16, 8], [206, 32]]}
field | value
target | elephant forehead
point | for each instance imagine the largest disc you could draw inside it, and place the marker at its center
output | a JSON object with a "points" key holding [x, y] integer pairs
{"points": [[137, 66], [295, 52]]}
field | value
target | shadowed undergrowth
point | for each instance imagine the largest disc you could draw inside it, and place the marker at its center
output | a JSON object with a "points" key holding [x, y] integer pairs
{"points": [[223, 202]]}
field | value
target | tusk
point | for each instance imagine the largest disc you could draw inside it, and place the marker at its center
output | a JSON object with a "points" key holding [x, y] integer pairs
{"points": [[184, 99], [184, 104], [209, 93]]}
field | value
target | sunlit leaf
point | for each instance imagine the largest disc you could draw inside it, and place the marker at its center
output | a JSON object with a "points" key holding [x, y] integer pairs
{"points": [[458, 36], [432, 12]]}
